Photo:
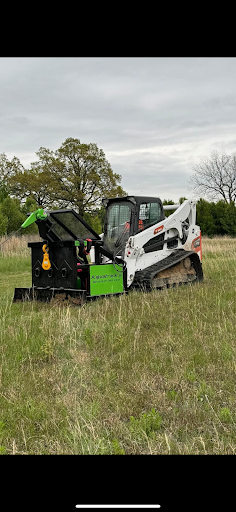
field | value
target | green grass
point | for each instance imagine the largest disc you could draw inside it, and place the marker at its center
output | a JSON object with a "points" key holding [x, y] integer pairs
{"points": [[139, 374]]}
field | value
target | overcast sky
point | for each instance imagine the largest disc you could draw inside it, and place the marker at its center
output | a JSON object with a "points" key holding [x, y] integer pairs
{"points": [[153, 117]]}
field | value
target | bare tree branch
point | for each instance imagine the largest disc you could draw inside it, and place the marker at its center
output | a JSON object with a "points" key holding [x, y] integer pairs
{"points": [[215, 177]]}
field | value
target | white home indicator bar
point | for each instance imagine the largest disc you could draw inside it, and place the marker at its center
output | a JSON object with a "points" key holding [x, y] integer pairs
{"points": [[118, 506]]}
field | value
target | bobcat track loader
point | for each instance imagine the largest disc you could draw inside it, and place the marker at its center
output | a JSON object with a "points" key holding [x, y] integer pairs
{"points": [[139, 248]]}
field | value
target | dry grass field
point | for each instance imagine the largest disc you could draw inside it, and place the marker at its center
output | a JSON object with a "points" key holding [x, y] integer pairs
{"points": [[141, 373]]}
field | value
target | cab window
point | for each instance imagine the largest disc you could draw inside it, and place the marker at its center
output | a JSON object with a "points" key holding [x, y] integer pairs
{"points": [[149, 214], [118, 224]]}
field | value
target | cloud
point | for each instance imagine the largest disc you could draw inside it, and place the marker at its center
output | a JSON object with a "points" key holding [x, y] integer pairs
{"points": [[154, 175], [153, 117], [17, 120]]}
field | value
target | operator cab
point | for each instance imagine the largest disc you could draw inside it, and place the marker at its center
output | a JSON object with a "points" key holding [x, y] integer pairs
{"points": [[128, 216]]}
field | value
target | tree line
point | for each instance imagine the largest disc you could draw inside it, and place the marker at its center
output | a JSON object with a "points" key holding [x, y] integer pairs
{"points": [[213, 218], [79, 176]]}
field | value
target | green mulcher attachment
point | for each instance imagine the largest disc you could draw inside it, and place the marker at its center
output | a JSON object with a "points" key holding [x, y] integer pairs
{"points": [[60, 266]]}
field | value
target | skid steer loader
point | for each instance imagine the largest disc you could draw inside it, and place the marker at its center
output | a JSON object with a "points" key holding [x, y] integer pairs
{"points": [[139, 248]]}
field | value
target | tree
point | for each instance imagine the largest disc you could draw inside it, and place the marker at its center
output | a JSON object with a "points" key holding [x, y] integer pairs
{"points": [[182, 199], [32, 183], [205, 218], [215, 177], [94, 220], [3, 223], [225, 218], [29, 206], [8, 168], [10, 210], [3, 192], [75, 175], [229, 220]]}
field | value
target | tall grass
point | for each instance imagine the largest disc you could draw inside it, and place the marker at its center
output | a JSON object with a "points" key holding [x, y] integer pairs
{"points": [[16, 245], [139, 374]]}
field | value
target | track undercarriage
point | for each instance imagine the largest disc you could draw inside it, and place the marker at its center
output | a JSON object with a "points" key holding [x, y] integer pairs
{"points": [[181, 267]]}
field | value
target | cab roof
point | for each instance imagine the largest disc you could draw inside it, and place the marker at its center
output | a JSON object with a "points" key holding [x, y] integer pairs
{"points": [[133, 199]]}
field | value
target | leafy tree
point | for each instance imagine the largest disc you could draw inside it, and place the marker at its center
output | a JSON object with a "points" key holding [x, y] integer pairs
{"points": [[10, 209], [12, 215], [87, 176], [205, 218], [3, 192], [231, 219], [225, 215], [29, 206], [3, 223], [94, 220], [168, 201], [32, 183], [8, 168], [76, 175], [215, 177], [219, 213]]}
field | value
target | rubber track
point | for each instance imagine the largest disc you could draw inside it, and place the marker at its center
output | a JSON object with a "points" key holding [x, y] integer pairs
{"points": [[143, 278]]}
